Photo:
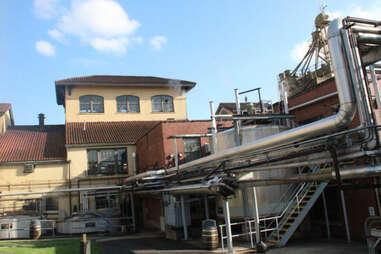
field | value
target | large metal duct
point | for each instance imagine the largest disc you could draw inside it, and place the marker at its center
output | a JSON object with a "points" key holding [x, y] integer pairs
{"points": [[323, 126]]}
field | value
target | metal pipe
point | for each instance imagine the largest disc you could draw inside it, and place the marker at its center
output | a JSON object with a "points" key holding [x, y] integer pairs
{"points": [[363, 21], [345, 215], [326, 215], [237, 103], [183, 218], [331, 123], [365, 29], [347, 173], [369, 38], [214, 127], [313, 101], [375, 86], [176, 155], [62, 190], [206, 206], [256, 218], [228, 226], [132, 203]]}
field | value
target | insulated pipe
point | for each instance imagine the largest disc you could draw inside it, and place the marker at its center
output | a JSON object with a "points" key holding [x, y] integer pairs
{"points": [[348, 173], [369, 38], [375, 86], [332, 123]]}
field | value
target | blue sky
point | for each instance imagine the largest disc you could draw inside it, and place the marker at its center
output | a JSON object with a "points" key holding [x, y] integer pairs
{"points": [[219, 44]]}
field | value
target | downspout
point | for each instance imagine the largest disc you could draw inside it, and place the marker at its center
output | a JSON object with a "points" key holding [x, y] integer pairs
{"points": [[70, 204]]}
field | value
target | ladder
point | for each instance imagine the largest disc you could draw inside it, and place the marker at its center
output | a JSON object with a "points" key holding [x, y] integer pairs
{"points": [[299, 205]]}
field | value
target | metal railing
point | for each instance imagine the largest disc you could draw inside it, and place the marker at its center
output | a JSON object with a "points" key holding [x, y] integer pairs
{"points": [[20, 229], [249, 233]]}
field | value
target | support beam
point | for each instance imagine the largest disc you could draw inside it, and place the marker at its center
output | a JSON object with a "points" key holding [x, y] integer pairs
{"points": [[183, 217], [345, 215], [206, 207], [326, 215], [228, 226]]}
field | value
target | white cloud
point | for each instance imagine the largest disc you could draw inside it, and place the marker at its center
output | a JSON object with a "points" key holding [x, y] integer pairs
{"points": [[115, 46], [47, 9], [158, 41], [57, 35], [299, 51], [105, 18], [45, 48], [102, 24]]}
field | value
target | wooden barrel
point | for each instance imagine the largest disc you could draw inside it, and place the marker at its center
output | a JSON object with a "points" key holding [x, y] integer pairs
{"points": [[210, 238], [35, 229]]}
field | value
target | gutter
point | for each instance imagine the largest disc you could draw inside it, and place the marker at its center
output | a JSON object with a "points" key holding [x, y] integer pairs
{"points": [[34, 162], [98, 144]]}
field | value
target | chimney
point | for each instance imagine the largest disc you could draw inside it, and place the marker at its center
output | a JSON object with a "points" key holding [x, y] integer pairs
{"points": [[41, 119]]}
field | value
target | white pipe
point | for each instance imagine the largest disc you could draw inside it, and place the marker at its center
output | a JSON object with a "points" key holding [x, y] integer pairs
{"points": [[375, 86], [237, 103], [58, 191], [228, 226], [214, 127]]}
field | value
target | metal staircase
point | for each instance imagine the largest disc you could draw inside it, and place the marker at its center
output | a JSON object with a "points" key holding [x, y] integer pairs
{"points": [[300, 203]]}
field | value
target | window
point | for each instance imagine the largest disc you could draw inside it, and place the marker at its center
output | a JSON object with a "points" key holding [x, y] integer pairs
{"points": [[162, 103], [192, 149], [51, 204], [107, 161], [127, 103], [91, 104], [105, 201]]}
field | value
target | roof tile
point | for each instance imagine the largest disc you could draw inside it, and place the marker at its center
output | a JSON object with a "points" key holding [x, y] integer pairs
{"points": [[127, 132], [33, 143]]}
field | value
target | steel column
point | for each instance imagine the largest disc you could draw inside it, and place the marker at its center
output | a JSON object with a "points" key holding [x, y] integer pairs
{"points": [[326, 215], [206, 207], [228, 226], [345, 215], [132, 204], [183, 217]]}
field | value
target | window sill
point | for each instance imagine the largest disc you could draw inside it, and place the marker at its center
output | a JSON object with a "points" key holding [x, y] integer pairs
{"points": [[127, 113], [90, 113], [173, 112]]}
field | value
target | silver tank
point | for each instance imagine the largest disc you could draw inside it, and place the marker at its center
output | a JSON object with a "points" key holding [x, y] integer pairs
{"points": [[269, 197]]}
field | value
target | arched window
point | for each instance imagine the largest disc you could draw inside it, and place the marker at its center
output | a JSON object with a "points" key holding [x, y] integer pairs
{"points": [[127, 103], [162, 103], [91, 104]]}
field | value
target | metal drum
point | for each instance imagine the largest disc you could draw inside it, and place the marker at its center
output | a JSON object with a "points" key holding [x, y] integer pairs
{"points": [[210, 234], [35, 229]]}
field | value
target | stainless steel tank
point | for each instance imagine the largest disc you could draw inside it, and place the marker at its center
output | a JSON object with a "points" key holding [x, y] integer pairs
{"points": [[269, 197]]}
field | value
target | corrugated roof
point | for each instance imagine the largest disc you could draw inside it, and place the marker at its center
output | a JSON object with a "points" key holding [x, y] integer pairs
{"points": [[127, 132], [114, 80], [33, 143]]}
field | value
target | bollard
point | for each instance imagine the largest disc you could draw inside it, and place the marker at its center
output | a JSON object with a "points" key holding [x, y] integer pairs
{"points": [[85, 245]]}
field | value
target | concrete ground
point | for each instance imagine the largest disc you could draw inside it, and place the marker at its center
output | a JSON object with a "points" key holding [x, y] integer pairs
{"points": [[157, 244]]}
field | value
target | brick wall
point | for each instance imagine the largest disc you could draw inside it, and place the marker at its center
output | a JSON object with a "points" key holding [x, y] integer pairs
{"points": [[154, 148]]}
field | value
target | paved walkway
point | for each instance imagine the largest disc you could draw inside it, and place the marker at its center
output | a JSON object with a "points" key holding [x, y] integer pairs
{"points": [[157, 244]]}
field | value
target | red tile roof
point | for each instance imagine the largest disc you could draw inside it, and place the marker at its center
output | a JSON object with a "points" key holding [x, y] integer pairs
{"points": [[112, 80], [33, 143], [4, 108], [127, 132]]}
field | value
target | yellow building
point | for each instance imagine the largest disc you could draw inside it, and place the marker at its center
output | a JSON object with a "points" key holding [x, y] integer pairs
{"points": [[105, 117]]}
